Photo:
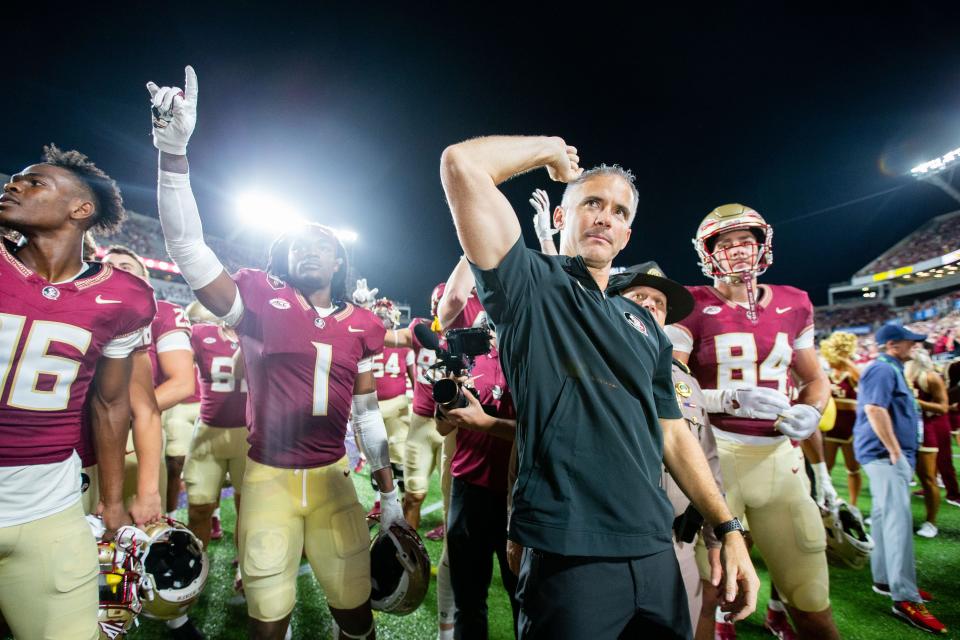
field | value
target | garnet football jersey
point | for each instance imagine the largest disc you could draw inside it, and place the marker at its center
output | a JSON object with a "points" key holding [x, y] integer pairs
{"points": [[300, 370], [727, 351], [390, 370], [423, 404], [170, 318], [480, 458], [51, 337], [472, 315], [223, 402]]}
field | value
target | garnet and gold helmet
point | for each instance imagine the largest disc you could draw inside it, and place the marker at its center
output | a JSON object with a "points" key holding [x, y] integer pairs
{"points": [[120, 582], [387, 311], [176, 568], [399, 571], [732, 217]]}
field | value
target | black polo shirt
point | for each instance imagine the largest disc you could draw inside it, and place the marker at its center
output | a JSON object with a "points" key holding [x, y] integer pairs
{"points": [[590, 375]]}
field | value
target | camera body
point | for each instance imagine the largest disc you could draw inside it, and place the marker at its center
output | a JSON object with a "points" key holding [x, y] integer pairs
{"points": [[463, 345]]}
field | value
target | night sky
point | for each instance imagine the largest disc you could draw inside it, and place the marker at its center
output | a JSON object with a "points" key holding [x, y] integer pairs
{"points": [[346, 113]]}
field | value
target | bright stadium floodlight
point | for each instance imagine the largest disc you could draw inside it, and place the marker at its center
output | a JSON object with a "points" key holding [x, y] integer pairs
{"points": [[937, 165], [260, 210], [930, 172]]}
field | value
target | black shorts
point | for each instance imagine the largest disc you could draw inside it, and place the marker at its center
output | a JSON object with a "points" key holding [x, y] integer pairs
{"points": [[566, 597]]}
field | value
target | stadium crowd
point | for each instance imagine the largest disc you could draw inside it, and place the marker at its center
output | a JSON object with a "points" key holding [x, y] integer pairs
{"points": [[588, 430], [937, 238]]}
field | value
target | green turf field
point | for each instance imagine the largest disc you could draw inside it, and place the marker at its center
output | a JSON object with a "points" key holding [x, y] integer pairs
{"points": [[859, 612]]}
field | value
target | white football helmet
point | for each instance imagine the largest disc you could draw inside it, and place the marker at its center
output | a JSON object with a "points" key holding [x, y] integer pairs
{"points": [[847, 537], [176, 568], [399, 571]]}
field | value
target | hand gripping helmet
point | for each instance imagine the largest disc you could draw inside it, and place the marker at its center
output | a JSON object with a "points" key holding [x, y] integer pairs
{"points": [[399, 571], [119, 582], [387, 311], [732, 217], [176, 568], [847, 539]]}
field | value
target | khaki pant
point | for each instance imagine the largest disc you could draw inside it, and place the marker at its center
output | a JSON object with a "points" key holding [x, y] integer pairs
{"points": [[214, 452], [396, 417], [48, 577], [422, 454], [769, 486], [285, 512], [178, 424]]}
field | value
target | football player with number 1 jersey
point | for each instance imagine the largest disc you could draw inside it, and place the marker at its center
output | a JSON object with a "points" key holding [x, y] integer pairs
{"points": [[67, 329], [308, 364], [746, 344]]}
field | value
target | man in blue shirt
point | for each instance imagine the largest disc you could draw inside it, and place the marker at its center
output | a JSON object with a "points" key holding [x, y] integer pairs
{"points": [[885, 439]]}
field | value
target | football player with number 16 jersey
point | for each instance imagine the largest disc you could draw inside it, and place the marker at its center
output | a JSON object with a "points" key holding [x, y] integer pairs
{"points": [[746, 344], [67, 329]]}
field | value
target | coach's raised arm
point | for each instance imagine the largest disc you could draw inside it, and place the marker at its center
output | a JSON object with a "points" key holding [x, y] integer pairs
{"points": [[596, 412]]}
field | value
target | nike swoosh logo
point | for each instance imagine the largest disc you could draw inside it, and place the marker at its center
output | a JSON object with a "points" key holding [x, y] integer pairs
{"points": [[101, 300], [352, 330], [795, 469], [784, 310]]}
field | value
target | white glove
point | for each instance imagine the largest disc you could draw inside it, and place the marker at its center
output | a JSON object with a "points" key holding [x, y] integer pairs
{"points": [[823, 491], [542, 221], [363, 297], [799, 421], [174, 114], [759, 403], [390, 510]]}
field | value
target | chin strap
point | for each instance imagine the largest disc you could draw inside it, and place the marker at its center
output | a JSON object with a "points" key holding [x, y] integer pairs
{"points": [[751, 297]]}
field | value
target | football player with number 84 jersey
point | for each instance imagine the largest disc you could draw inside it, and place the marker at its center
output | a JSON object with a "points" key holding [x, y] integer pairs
{"points": [[746, 344], [307, 356]]}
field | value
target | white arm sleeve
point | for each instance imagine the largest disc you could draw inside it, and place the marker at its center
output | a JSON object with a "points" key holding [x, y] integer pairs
{"points": [[370, 431], [183, 232], [122, 346], [233, 317]]}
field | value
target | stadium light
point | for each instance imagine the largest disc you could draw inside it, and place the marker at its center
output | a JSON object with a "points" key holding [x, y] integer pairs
{"points": [[930, 172], [947, 161], [260, 210]]}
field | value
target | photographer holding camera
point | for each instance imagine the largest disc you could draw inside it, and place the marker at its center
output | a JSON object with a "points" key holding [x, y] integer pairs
{"points": [[481, 410]]}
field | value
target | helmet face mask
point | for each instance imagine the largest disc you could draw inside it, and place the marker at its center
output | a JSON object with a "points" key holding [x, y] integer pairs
{"points": [[716, 263], [388, 312], [119, 582]]}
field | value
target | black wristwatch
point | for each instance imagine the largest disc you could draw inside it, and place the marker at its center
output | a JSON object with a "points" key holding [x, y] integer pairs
{"points": [[724, 528]]}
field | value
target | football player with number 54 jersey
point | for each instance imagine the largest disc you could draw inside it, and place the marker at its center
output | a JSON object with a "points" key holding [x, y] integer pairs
{"points": [[67, 329], [307, 357], [746, 344]]}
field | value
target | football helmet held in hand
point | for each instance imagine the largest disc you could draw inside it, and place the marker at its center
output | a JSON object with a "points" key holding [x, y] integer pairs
{"points": [[176, 568], [847, 538], [399, 570]]}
